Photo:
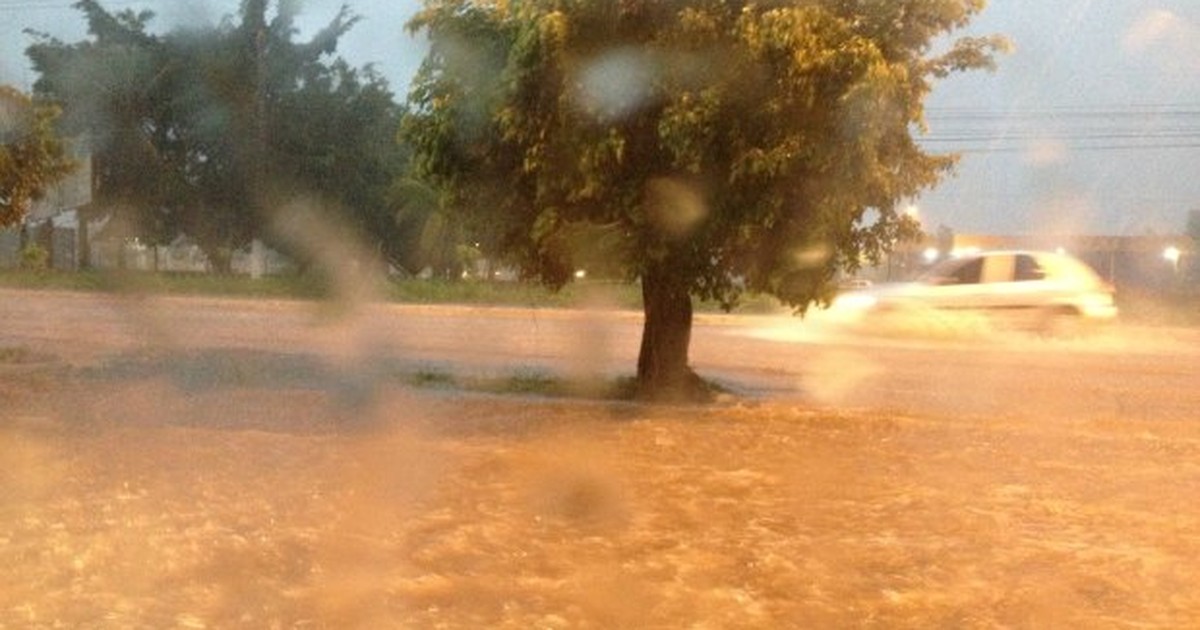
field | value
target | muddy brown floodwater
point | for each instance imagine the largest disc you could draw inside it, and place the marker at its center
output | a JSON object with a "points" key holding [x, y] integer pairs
{"points": [[171, 487]]}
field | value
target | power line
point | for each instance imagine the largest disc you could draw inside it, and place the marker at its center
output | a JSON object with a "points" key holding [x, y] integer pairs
{"points": [[1080, 128], [1084, 148], [1078, 107]]}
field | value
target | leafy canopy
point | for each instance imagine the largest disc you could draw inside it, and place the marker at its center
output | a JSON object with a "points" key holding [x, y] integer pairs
{"points": [[32, 155], [743, 145], [203, 131]]}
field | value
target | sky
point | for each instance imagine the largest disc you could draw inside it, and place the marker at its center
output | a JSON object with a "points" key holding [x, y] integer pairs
{"points": [[1090, 125]]}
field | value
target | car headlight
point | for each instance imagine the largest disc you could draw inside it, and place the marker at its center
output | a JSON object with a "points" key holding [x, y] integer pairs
{"points": [[856, 301]]}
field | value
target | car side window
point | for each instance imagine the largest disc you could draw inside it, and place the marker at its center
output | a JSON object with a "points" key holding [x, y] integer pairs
{"points": [[967, 273], [1027, 269]]}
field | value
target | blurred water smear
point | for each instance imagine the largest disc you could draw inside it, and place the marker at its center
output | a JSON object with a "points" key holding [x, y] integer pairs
{"points": [[1167, 39], [617, 83]]}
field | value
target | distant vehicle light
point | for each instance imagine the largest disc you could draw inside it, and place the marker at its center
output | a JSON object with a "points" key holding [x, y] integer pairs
{"points": [[856, 301]]}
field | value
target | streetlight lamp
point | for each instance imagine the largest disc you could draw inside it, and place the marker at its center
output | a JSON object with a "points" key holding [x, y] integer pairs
{"points": [[1172, 255]]}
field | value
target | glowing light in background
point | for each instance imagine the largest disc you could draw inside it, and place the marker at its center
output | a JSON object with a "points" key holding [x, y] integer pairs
{"points": [[616, 84], [1166, 38]]}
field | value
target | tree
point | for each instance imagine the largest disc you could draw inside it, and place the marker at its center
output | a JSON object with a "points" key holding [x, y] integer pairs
{"points": [[32, 155], [721, 145], [207, 132], [107, 89], [336, 134]]}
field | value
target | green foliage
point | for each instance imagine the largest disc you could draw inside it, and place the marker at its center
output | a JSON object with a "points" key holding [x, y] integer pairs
{"points": [[740, 145], [32, 156], [209, 132], [34, 257], [422, 235]]}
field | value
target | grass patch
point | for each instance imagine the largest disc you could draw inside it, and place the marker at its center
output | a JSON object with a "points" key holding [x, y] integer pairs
{"points": [[431, 378], [528, 382], [521, 382], [315, 286], [20, 355], [168, 283], [15, 355], [518, 294], [24, 369]]}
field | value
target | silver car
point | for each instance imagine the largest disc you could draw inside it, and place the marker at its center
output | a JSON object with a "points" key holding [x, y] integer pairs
{"points": [[1044, 291]]}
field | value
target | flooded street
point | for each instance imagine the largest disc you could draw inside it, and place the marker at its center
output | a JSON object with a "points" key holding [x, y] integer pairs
{"points": [[955, 368], [204, 463]]}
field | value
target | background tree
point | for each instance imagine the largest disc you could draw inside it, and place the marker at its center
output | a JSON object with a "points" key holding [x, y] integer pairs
{"points": [[32, 156], [425, 237], [336, 136], [107, 88], [208, 132], [721, 146]]}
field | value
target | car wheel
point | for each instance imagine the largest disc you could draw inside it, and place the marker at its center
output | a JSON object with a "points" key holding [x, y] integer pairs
{"points": [[1060, 323]]}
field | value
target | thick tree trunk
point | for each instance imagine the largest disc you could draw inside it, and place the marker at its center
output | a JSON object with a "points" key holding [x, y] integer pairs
{"points": [[663, 371], [220, 260]]}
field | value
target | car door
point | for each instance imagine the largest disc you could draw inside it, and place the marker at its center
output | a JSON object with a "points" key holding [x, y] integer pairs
{"points": [[1006, 285], [997, 288], [1024, 297]]}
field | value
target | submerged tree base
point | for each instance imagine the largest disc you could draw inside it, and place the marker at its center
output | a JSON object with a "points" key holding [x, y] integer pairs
{"points": [[687, 388], [694, 390]]}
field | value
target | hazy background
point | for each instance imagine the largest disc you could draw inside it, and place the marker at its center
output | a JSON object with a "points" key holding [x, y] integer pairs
{"points": [[1090, 126]]}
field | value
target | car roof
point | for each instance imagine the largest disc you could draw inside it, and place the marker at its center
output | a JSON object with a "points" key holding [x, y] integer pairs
{"points": [[1013, 252], [1059, 263], [1036, 253]]}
